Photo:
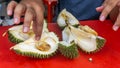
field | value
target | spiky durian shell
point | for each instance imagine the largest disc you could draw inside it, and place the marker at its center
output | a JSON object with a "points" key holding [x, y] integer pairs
{"points": [[65, 18], [100, 43], [34, 55], [28, 48], [13, 38], [70, 52], [18, 28], [11, 33]]}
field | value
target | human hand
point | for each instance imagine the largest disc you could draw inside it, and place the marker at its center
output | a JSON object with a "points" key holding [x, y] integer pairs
{"points": [[106, 8], [32, 10]]}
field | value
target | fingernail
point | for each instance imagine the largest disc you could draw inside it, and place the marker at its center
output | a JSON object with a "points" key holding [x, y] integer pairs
{"points": [[102, 18], [9, 12], [16, 20], [25, 29], [115, 28]]}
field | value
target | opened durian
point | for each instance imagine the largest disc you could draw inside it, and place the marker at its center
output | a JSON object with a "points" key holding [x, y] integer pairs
{"points": [[88, 42], [16, 35], [67, 47], [44, 48], [64, 17], [85, 37]]}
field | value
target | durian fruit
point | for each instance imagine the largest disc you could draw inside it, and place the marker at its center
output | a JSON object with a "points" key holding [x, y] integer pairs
{"points": [[69, 50], [64, 17], [88, 42], [85, 37], [67, 47], [44, 48], [16, 35]]}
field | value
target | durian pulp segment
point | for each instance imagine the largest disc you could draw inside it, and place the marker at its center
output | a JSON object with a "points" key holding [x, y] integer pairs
{"points": [[86, 41], [64, 17]]}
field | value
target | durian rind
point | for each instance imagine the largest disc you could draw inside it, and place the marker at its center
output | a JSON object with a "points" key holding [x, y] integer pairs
{"points": [[34, 55], [12, 32], [13, 39], [100, 42], [70, 51], [65, 18], [16, 35], [28, 48]]}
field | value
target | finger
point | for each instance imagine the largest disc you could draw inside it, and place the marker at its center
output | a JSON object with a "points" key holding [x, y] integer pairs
{"points": [[106, 11], [10, 7], [100, 9], [29, 15], [19, 10], [117, 23], [38, 23]]}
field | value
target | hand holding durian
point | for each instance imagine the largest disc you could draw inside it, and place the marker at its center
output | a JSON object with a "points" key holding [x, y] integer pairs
{"points": [[73, 35]]}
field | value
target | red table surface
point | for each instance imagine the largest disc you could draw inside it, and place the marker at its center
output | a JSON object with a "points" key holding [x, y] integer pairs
{"points": [[108, 57]]}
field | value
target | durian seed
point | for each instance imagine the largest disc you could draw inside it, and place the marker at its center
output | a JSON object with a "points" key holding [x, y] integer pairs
{"points": [[90, 59], [43, 46]]}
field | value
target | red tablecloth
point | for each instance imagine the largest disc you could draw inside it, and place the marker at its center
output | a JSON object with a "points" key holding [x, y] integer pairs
{"points": [[108, 57]]}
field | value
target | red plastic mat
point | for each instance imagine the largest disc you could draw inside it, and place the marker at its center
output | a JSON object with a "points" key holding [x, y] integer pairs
{"points": [[108, 57]]}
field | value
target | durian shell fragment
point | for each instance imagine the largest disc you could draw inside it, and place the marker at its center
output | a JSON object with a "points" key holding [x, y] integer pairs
{"points": [[13, 39], [16, 35], [65, 18], [87, 42], [28, 48], [69, 50]]}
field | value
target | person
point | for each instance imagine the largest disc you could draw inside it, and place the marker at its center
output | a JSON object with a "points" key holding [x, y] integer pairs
{"points": [[33, 10]]}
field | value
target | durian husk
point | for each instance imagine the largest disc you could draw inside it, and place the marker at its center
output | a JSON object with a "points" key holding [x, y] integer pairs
{"points": [[12, 38], [13, 34], [88, 39], [68, 50], [65, 18], [28, 48], [16, 35]]}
